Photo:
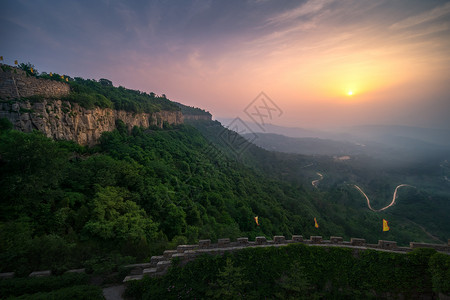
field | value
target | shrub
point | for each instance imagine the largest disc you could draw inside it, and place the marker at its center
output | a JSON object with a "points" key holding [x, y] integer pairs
{"points": [[81, 292], [21, 286]]}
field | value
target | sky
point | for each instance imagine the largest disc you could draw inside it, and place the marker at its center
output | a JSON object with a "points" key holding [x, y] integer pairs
{"points": [[320, 63]]}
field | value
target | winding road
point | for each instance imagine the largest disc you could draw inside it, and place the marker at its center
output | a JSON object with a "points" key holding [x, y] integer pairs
{"points": [[316, 182], [386, 207]]}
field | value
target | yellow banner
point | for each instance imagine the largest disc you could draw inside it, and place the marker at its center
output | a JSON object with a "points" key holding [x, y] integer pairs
{"points": [[385, 225]]}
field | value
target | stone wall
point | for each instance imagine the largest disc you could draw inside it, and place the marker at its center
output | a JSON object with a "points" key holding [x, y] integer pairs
{"points": [[158, 265], [63, 120], [15, 84]]}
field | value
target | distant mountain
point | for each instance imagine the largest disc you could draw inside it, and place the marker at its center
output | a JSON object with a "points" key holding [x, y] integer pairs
{"points": [[287, 131], [306, 146], [388, 134], [374, 140]]}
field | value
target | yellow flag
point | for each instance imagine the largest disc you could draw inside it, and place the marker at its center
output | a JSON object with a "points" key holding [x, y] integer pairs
{"points": [[1, 58], [315, 223], [385, 225], [256, 220], [15, 62], [51, 74], [62, 76], [31, 70]]}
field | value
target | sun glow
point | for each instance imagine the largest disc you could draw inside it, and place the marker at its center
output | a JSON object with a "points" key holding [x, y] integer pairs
{"points": [[350, 93]]}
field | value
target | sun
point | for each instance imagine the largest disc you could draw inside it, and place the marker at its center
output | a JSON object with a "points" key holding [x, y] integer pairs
{"points": [[349, 93]]}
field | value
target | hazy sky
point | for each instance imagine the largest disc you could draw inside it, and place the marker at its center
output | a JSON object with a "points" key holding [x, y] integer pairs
{"points": [[394, 56]]}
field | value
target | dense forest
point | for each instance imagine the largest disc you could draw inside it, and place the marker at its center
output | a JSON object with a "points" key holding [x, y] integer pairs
{"points": [[136, 194]]}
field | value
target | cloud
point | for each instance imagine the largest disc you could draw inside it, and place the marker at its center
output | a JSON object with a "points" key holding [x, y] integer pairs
{"points": [[424, 17], [309, 8]]}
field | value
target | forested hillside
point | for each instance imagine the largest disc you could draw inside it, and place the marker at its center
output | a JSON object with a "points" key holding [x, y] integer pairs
{"points": [[136, 194]]}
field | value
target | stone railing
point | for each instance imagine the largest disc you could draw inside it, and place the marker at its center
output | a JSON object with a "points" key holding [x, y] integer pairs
{"points": [[159, 265]]}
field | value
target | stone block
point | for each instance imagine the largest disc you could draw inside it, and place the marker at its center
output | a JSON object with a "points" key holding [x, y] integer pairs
{"points": [[77, 271], [178, 255], [390, 245], [7, 275], [149, 271], [142, 265], [41, 273], [316, 239], [223, 242], [336, 239], [357, 242], [133, 277], [297, 238], [202, 244], [162, 265], [156, 259], [242, 241], [190, 254], [183, 248], [260, 240], [279, 239], [438, 247], [169, 253]]}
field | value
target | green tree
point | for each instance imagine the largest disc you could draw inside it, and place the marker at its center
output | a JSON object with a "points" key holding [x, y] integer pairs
{"points": [[113, 217], [230, 283]]}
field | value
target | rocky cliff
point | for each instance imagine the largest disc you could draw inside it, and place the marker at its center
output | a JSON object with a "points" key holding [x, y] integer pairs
{"points": [[63, 120]]}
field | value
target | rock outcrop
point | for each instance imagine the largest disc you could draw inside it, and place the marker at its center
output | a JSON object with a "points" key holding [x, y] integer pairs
{"points": [[63, 120]]}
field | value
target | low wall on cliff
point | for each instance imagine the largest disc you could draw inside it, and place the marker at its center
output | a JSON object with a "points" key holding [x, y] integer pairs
{"points": [[159, 265], [16, 84], [63, 120]]}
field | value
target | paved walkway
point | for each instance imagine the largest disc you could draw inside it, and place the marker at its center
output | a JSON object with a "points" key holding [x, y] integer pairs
{"points": [[114, 292]]}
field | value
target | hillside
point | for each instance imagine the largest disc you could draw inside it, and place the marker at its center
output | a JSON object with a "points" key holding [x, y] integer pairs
{"points": [[80, 110]]}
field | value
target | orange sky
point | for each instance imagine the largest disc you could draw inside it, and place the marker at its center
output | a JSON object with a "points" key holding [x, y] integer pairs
{"points": [[217, 55]]}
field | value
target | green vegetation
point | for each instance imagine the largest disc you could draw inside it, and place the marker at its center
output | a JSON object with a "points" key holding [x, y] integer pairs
{"points": [[21, 286], [190, 110], [134, 195], [89, 93], [77, 292], [298, 271], [29, 69]]}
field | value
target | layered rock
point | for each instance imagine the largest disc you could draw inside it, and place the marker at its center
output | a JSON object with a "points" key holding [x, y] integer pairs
{"points": [[63, 120]]}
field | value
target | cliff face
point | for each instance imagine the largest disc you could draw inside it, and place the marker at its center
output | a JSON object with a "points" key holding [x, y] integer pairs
{"points": [[68, 121]]}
